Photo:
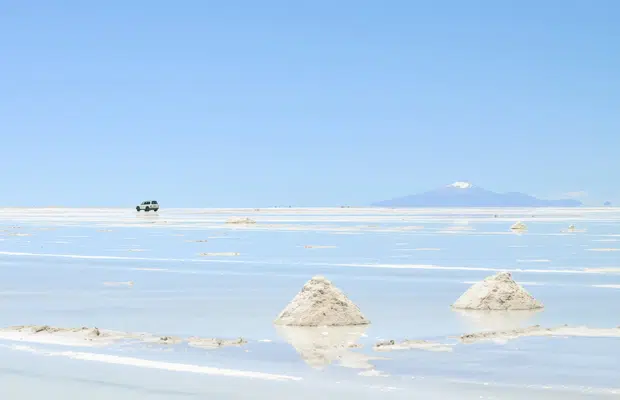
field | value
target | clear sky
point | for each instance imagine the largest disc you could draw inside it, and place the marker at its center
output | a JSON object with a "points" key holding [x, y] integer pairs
{"points": [[260, 103]]}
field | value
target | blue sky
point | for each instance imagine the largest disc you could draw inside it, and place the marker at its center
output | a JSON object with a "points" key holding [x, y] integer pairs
{"points": [[247, 103]]}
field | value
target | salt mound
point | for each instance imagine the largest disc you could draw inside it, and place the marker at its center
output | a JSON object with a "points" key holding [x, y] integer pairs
{"points": [[240, 221], [519, 226], [498, 292], [321, 304]]}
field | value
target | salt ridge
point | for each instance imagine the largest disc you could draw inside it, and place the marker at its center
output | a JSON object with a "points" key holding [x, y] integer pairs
{"points": [[167, 366], [352, 265]]}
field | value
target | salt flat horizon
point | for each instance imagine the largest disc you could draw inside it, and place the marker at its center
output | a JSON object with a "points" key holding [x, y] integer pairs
{"points": [[194, 274]]}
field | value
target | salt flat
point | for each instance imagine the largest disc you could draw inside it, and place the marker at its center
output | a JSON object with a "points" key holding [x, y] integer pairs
{"points": [[57, 266]]}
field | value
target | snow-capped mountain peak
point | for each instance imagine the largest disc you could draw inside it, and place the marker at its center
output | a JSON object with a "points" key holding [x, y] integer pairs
{"points": [[461, 185], [464, 194]]}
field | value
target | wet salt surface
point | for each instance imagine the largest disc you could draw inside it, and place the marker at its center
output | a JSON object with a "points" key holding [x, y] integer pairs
{"points": [[177, 292]]}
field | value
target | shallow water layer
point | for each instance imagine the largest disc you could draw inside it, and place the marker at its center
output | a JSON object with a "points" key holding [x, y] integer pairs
{"points": [[402, 267]]}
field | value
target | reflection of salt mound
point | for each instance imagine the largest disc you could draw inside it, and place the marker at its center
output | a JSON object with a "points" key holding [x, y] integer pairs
{"points": [[321, 304], [321, 346], [240, 221], [475, 320], [497, 292], [520, 226]]}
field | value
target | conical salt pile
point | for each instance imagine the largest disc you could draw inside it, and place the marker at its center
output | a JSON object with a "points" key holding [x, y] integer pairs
{"points": [[497, 292], [321, 304], [519, 226]]}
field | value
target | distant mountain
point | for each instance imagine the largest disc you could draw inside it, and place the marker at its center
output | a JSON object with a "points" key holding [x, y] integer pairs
{"points": [[464, 194]]}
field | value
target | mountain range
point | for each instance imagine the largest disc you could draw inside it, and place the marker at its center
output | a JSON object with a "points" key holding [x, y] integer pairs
{"points": [[465, 194]]}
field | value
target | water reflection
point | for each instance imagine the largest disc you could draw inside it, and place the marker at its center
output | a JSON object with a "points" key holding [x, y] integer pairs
{"points": [[474, 321], [322, 346]]}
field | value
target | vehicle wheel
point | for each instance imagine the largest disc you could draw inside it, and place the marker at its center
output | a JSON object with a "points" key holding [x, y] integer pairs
{"points": [[156, 209], [147, 209], [138, 209]]}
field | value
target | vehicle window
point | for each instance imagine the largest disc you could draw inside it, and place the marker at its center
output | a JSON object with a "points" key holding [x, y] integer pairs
{"points": [[154, 202], [146, 203]]}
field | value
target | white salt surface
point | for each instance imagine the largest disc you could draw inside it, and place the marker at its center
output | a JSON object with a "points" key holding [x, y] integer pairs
{"points": [[215, 343], [605, 249], [571, 271], [183, 295], [603, 270], [63, 336], [241, 221], [167, 366], [373, 372], [128, 283], [392, 345], [607, 286], [89, 337], [563, 331]]}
